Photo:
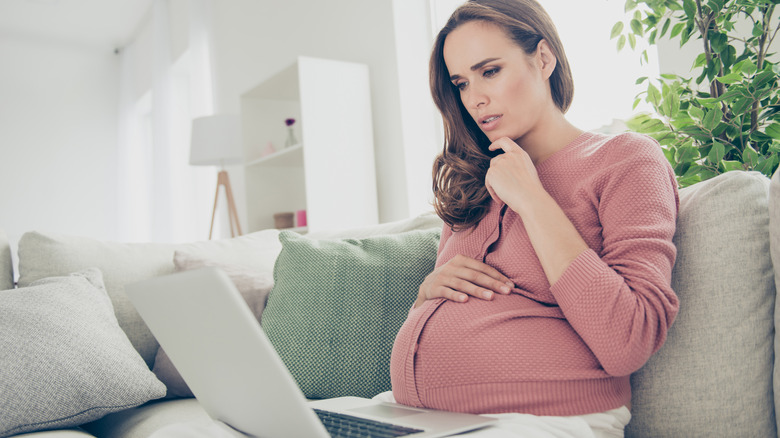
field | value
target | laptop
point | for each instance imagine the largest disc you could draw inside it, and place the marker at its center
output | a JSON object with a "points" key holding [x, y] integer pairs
{"points": [[220, 350]]}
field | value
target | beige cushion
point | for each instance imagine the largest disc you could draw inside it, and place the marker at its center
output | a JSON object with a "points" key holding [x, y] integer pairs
{"points": [[713, 377], [6, 263], [774, 246], [254, 284], [46, 255]]}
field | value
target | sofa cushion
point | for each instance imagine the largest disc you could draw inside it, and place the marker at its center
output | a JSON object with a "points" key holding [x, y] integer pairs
{"points": [[713, 377], [337, 305], [64, 359], [46, 255], [252, 282], [774, 247], [6, 263], [145, 421]]}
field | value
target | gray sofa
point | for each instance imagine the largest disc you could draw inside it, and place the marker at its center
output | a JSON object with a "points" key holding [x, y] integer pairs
{"points": [[713, 377]]}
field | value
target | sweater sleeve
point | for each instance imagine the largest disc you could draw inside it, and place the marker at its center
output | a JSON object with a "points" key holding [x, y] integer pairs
{"points": [[620, 300]]}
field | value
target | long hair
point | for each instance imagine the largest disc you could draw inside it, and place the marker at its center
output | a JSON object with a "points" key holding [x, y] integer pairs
{"points": [[460, 196]]}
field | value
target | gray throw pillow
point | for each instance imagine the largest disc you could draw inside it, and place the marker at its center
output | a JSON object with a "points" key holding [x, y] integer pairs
{"points": [[713, 377], [63, 357]]}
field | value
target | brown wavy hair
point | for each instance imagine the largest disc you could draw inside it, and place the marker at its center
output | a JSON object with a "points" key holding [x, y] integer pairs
{"points": [[460, 196]]}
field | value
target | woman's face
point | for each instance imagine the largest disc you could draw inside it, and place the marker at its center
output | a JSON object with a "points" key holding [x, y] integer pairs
{"points": [[504, 90]]}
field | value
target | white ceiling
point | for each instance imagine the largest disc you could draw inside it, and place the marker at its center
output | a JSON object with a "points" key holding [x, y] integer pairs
{"points": [[97, 23]]}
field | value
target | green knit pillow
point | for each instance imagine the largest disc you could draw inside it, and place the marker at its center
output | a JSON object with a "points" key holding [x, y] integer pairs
{"points": [[337, 305]]}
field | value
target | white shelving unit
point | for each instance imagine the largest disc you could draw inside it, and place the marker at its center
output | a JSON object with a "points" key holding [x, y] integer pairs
{"points": [[330, 173]]}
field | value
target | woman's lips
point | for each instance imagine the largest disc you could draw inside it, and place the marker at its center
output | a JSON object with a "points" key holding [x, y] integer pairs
{"points": [[488, 123]]}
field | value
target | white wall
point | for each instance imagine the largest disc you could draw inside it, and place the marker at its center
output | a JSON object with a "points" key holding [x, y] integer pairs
{"points": [[58, 110], [253, 39]]}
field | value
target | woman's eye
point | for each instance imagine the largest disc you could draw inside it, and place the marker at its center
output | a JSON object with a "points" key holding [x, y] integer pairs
{"points": [[491, 72], [461, 85]]}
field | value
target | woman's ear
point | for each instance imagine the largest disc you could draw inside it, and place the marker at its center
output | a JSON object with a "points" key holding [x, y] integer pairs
{"points": [[546, 59]]}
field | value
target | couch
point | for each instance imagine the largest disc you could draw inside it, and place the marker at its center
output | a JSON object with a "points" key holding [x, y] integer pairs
{"points": [[76, 360]]}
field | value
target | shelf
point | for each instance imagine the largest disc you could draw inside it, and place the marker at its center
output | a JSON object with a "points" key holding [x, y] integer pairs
{"points": [[334, 181], [287, 157]]}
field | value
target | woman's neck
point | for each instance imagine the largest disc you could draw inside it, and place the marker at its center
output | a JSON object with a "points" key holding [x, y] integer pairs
{"points": [[551, 134]]}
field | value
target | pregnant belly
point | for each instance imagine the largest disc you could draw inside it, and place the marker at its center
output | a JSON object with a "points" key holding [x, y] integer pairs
{"points": [[509, 339]]}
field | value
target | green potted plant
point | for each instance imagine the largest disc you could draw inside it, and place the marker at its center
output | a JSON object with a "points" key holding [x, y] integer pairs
{"points": [[726, 115]]}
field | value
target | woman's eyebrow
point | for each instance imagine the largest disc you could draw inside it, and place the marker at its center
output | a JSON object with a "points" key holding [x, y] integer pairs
{"points": [[475, 67]]}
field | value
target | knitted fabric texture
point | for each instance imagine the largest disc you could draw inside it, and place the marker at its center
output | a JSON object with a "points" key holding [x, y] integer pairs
{"points": [[568, 349], [337, 305]]}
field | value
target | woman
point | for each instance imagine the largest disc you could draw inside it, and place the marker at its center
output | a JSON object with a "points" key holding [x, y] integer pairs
{"points": [[552, 283]]}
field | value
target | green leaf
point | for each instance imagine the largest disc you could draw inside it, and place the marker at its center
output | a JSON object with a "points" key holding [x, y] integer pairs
{"points": [[630, 5], [696, 113], [665, 27], [717, 152], [768, 165], [700, 60], [632, 41], [673, 5], [719, 41], [640, 80], [729, 78], [690, 8], [762, 78], [758, 29], [621, 42], [715, 5], [653, 95], [677, 29], [728, 166], [712, 118], [617, 29], [741, 105], [773, 130], [746, 67], [686, 154], [750, 156], [636, 27]]}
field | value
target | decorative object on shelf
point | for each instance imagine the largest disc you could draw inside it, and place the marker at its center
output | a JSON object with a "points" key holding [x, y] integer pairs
{"points": [[291, 140], [269, 149], [300, 218], [283, 220], [217, 140]]}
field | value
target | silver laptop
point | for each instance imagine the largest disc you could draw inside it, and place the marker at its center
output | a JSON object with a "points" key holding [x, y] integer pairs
{"points": [[220, 350]]}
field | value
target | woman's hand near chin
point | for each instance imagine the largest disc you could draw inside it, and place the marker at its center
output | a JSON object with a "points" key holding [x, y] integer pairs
{"points": [[512, 176], [463, 277]]}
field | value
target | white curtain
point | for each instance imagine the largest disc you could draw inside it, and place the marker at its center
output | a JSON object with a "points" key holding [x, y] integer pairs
{"points": [[162, 197]]}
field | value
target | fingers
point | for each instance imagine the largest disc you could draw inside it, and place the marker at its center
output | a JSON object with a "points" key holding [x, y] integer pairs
{"points": [[472, 275], [463, 277], [504, 143]]}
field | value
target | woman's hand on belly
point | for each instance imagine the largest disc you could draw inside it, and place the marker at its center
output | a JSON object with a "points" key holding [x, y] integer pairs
{"points": [[463, 277]]}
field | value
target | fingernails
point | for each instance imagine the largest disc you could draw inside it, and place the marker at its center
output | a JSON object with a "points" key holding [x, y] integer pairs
{"points": [[506, 289], [487, 295]]}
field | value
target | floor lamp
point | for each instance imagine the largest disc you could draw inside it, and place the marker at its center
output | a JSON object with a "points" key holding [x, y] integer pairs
{"points": [[217, 140]]}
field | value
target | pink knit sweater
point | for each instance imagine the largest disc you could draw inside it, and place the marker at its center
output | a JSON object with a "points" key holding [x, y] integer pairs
{"points": [[568, 349]]}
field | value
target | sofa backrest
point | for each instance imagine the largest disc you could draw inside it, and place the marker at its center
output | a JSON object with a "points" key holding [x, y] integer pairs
{"points": [[6, 263], [713, 377]]}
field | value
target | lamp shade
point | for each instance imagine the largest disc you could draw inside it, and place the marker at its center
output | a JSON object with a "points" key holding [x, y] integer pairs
{"points": [[216, 140]]}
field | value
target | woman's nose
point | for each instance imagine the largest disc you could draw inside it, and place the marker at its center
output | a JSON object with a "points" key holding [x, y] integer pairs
{"points": [[476, 98]]}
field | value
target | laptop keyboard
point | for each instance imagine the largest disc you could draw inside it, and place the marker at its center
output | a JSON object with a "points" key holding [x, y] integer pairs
{"points": [[340, 425]]}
